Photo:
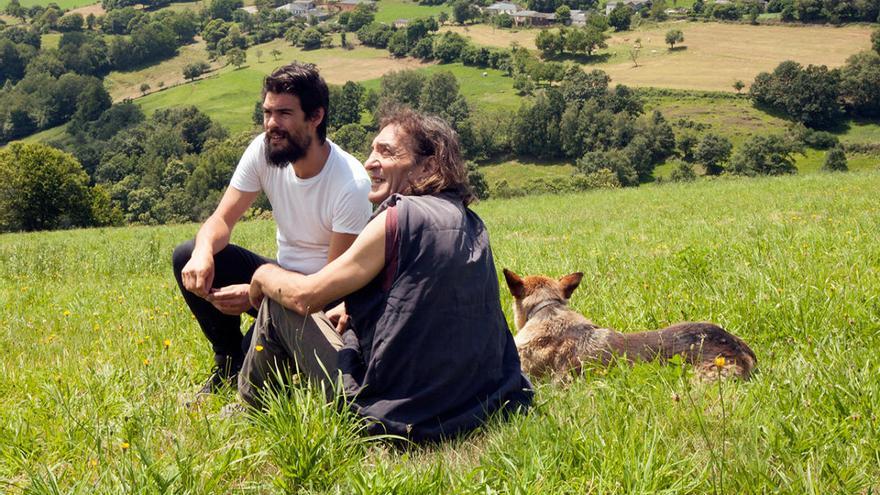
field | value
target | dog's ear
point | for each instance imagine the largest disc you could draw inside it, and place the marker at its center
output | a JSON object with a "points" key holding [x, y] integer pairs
{"points": [[515, 284], [570, 282]]}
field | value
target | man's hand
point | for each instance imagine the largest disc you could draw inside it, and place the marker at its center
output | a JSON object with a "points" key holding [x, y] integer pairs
{"points": [[338, 317], [232, 299], [198, 275]]}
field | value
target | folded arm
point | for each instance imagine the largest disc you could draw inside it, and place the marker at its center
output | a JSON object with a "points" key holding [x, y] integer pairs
{"points": [[304, 294]]}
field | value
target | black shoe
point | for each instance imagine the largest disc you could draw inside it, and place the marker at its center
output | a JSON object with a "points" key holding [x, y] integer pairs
{"points": [[223, 374]]}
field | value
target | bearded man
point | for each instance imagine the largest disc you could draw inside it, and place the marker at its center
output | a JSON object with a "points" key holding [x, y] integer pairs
{"points": [[319, 204]]}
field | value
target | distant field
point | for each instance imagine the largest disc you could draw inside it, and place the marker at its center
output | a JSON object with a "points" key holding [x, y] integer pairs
{"points": [[713, 55], [520, 173], [64, 4], [170, 72], [50, 40], [391, 10]]}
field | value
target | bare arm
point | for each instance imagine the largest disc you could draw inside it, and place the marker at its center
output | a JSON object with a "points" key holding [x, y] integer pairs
{"points": [[339, 243], [198, 273], [349, 272]]}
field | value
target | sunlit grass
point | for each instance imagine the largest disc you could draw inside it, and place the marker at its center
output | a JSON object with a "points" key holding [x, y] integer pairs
{"points": [[101, 355]]}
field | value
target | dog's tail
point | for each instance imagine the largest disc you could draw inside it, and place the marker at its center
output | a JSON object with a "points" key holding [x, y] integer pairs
{"points": [[699, 343]]}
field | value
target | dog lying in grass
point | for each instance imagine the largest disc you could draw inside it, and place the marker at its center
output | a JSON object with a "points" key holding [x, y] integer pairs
{"points": [[554, 340]]}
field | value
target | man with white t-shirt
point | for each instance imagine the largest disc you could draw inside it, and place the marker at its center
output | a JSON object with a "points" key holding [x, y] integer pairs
{"points": [[319, 204]]}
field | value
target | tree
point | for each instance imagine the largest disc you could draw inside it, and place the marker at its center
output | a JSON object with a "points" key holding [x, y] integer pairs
{"points": [[586, 39], [14, 9], [195, 69], [443, 18], [353, 138], [144, 88], [448, 46], [713, 152], [401, 88], [463, 11], [311, 39], [684, 172], [477, 181], [551, 43], [359, 17], [620, 17], [808, 95], [42, 188], [275, 53], [222, 9], [875, 40], [348, 108], [613, 161], [71, 22], [563, 14], [835, 160], [259, 54], [738, 86], [12, 62], [674, 36], [764, 155], [236, 57], [860, 84]]}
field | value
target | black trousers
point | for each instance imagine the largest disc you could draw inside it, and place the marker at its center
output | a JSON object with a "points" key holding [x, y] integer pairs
{"points": [[232, 265]]}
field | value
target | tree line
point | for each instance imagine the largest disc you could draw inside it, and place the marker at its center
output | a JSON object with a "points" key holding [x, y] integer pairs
{"points": [[819, 97]]}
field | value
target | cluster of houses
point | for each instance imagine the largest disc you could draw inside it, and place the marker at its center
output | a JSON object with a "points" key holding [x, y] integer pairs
{"points": [[310, 8], [524, 17]]}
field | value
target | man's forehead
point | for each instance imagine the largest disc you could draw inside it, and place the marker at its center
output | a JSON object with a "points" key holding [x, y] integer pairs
{"points": [[281, 100]]}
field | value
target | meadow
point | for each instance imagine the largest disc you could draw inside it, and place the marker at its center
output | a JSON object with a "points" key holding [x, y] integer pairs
{"points": [[389, 11], [100, 357], [712, 57]]}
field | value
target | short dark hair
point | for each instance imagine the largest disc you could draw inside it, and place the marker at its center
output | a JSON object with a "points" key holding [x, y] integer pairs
{"points": [[303, 81], [434, 143]]}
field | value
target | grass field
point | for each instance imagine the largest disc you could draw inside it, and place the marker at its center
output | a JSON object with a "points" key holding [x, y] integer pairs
{"points": [[64, 4], [92, 400], [713, 55], [123, 85], [391, 10]]}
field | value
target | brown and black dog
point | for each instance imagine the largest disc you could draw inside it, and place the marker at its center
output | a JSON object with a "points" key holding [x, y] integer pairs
{"points": [[553, 339]]}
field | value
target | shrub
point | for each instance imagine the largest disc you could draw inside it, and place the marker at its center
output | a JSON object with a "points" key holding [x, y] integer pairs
{"points": [[835, 160]]}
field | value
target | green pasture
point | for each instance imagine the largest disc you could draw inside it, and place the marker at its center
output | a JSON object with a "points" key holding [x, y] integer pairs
{"points": [[64, 4], [100, 357], [50, 40], [391, 10], [519, 173]]}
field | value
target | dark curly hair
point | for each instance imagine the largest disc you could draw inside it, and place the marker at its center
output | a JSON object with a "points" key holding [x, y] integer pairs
{"points": [[303, 81]]}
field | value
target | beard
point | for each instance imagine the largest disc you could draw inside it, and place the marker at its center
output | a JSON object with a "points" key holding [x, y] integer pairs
{"points": [[289, 150]]}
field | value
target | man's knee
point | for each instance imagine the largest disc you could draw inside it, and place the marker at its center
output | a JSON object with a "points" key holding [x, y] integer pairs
{"points": [[182, 254]]}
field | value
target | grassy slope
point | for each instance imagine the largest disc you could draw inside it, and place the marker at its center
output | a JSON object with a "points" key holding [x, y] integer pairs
{"points": [[64, 4], [789, 264]]}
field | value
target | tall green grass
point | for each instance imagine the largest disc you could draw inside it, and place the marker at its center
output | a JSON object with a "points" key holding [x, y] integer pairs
{"points": [[788, 264]]}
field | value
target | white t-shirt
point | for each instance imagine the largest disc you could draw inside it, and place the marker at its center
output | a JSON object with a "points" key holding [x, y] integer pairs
{"points": [[307, 211]]}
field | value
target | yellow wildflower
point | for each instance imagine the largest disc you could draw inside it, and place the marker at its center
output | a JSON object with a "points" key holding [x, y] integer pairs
{"points": [[146, 361], [66, 313], [258, 348], [167, 343], [93, 462], [720, 361], [125, 445]]}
